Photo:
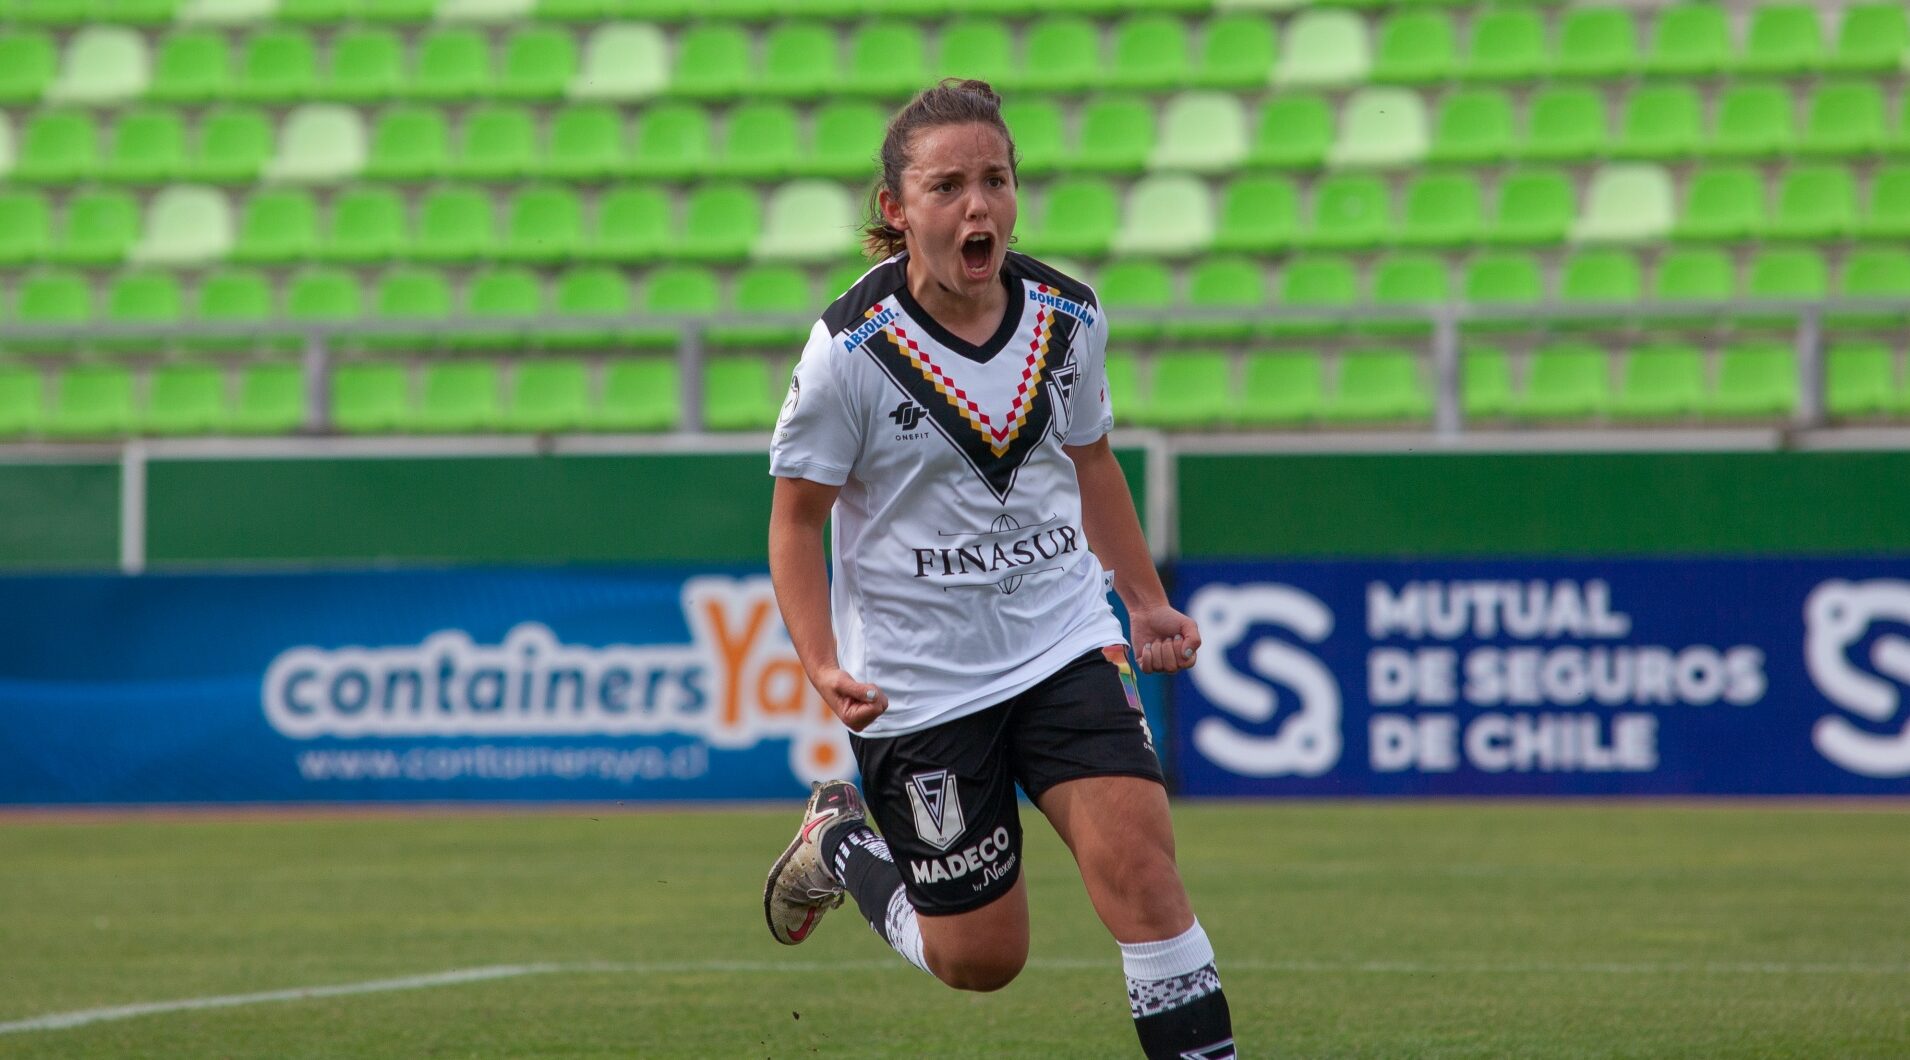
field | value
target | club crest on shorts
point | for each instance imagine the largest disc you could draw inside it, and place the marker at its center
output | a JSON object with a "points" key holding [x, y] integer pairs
{"points": [[938, 810]]}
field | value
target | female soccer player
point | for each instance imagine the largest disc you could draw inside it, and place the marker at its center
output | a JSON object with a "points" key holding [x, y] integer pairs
{"points": [[950, 412]]}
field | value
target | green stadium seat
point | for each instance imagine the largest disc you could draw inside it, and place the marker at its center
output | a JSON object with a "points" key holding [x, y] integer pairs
{"points": [[1318, 281], [6, 145], [1815, 202], [722, 221], [1900, 137], [713, 62], [1859, 380], [319, 143], [1350, 210], [1845, 118], [144, 12], [26, 226], [1887, 218], [185, 225], [1443, 210], [673, 290], [1201, 132], [103, 65], [737, 394], [539, 63], [1661, 121], [22, 400], [1131, 284], [586, 144], [1534, 206], [91, 402], [1693, 274], [1233, 285], [508, 299], [1782, 39], [633, 224], [1565, 381], [451, 63], [277, 66], [1567, 122], [1380, 128], [799, 60], [235, 297], [1627, 203], [639, 394], [1237, 51], [1324, 48], [761, 141], [410, 304], [1123, 380], [1117, 134], [184, 399], [370, 398], [101, 226], [454, 225], [1873, 38], [1474, 125], [495, 11], [544, 224], [47, 12], [235, 145], [1258, 214], [28, 61], [1150, 53], [1723, 202], [1596, 42], [1379, 385], [1416, 47], [228, 12], [1660, 381], [1078, 217], [192, 65], [1037, 126], [1754, 121], [979, 48], [409, 142], [1062, 54], [367, 225], [142, 298], [887, 58], [547, 397], [807, 220], [1690, 39], [1294, 132], [367, 64], [1167, 216], [1508, 44], [848, 137], [673, 141], [1280, 389], [57, 147], [1485, 383], [1755, 380], [629, 61], [586, 292], [1191, 389], [1605, 280], [763, 289], [1881, 273], [1505, 280], [323, 295], [51, 298], [147, 146], [498, 142], [456, 397], [1408, 280], [1786, 273]]}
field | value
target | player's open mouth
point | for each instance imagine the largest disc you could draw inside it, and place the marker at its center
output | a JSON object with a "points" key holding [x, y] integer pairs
{"points": [[978, 251]]}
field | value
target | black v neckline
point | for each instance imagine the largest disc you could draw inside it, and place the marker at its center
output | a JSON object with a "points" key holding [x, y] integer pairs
{"points": [[982, 354]]}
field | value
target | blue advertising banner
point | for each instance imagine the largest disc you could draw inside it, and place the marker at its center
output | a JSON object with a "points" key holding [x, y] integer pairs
{"points": [[1658, 677]]}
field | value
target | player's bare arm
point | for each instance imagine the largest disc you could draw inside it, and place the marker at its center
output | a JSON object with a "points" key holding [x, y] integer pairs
{"points": [[1165, 641], [798, 512]]}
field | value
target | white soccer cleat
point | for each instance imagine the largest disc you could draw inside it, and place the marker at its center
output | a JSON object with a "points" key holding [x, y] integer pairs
{"points": [[800, 887]]}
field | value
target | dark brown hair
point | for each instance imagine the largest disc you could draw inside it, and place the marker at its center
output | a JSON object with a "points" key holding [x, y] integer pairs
{"points": [[953, 101]]}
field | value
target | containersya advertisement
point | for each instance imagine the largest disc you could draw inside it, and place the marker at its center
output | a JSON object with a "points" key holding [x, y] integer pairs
{"points": [[544, 684], [1547, 677]]}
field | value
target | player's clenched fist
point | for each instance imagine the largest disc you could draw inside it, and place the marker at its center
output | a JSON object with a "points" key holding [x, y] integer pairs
{"points": [[856, 703]]}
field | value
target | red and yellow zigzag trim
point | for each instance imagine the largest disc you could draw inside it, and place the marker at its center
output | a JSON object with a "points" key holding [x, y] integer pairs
{"points": [[998, 438]]}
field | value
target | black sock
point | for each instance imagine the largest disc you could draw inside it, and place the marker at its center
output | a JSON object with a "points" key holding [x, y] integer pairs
{"points": [[861, 860], [1182, 1018]]}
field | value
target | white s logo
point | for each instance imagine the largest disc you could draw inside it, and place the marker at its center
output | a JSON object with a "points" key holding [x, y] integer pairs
{"points": [[1308, 743], [1838, 614]]}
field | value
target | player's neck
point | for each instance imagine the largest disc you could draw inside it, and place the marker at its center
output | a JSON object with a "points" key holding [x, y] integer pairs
{"points": [[972, 319]]}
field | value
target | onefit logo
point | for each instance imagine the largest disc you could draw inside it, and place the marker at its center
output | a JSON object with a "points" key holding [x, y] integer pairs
{"points": [[907, 415], [1837, 616], [1307, 743]]}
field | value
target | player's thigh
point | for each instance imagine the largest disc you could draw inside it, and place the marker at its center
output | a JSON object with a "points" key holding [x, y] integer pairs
{"points": [[983, 948], [1122, 838]]}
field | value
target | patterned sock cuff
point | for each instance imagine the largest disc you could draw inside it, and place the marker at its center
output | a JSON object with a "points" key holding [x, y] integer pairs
{"points": [[1152, 997]]}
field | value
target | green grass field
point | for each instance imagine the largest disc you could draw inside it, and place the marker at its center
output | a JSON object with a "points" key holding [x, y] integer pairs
{"points": [[1344, 929]]}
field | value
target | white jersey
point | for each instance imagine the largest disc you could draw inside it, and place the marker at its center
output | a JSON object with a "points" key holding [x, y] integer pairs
{"points": [[962, 573]]}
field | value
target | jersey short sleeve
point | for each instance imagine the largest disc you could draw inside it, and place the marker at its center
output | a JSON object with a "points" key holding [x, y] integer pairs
{"points": [[818, 434], [1091, 414]]}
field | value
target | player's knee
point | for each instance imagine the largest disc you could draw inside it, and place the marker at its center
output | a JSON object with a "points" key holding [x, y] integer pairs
{"points": [[1147, 888], [981, 972]]}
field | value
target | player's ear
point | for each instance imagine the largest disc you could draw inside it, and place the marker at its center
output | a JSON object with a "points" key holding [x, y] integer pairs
{"points": [[892, 212]]}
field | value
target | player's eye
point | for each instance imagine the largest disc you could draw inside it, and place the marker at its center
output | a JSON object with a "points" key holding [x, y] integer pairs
{"points": [[947, 185]]}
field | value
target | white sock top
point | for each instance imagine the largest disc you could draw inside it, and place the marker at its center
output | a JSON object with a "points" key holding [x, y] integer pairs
{"points": [[1184, 954]]}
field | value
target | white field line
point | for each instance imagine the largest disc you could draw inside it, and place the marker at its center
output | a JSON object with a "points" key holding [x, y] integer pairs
{"points": [[82, 1017]]}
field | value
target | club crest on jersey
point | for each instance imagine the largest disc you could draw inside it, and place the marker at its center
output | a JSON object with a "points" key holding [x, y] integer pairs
{"points": [[938, 810]]}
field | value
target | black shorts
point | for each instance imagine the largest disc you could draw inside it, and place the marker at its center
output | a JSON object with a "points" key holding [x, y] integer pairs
{"points": [[944, 797]]}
